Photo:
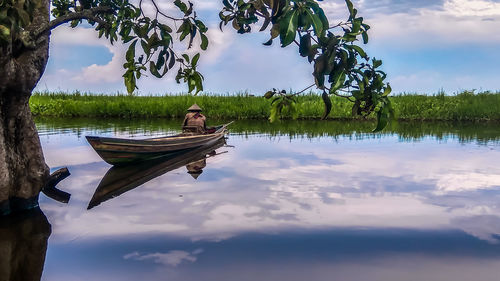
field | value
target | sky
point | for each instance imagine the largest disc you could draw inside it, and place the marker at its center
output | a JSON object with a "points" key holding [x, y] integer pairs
{"points": [[426, 46]]}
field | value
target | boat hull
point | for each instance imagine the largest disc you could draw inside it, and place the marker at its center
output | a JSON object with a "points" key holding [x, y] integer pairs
{"points": [[116, 151]]}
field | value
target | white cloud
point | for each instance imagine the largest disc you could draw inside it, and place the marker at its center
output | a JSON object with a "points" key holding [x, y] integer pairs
{"points": [[108, 73], [458, 21], [111, 73], [171, 258], [472, 8]]}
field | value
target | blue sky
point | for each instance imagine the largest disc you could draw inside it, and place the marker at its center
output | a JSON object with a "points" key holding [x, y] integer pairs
{"points": [[426, 46]]}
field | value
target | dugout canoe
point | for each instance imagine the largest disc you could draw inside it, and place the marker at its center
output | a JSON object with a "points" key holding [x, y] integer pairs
{"points": [[117, 151], [121, 179]]}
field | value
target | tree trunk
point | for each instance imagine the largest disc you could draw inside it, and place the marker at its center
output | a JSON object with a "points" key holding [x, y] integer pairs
{"points": [[23, 171]]}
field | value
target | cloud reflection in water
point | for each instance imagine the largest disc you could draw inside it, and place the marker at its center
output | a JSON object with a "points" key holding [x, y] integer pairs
{"points": [[349, 207], [268, 186]]}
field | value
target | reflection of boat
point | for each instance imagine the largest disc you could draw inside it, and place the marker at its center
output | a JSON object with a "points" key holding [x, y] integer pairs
{"points": [[117, 151], [120, 179]]}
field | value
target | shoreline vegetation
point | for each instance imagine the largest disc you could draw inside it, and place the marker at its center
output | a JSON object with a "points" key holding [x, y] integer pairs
{"points": [[465, 106], [479, 132]]}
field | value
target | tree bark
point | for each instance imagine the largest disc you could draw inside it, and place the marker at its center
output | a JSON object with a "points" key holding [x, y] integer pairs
{"points": [[23, 171]]}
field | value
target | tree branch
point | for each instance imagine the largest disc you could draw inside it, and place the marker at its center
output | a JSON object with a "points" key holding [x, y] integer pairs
{"points": [[309, 87], [88, 14], [163, 14]]}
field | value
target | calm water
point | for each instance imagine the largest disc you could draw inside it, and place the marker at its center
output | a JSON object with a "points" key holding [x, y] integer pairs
{"points": [[290, 201]]}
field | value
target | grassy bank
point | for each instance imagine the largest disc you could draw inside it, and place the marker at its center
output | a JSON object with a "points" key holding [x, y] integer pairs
{"points": [[464, 106]]}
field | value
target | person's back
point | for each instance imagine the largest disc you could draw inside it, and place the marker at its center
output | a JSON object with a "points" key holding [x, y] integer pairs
{"points": [[194, 120]]}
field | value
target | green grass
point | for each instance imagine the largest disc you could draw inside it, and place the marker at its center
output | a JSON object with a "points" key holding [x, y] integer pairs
{"points": [[465, 106]]}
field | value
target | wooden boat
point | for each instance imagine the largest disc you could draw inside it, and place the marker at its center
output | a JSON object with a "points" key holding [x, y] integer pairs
{"points": [[120, 179], [116, 151]]}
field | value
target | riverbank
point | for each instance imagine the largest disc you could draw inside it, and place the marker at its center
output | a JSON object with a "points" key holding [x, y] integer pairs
{"points": [[462, 107], [464, 131]]}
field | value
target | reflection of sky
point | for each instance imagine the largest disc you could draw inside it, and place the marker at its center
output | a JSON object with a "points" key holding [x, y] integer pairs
{"points": [[348, 207]]}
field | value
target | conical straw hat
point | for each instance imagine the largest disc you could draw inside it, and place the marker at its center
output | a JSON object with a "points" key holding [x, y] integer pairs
{"points": [[194, 107]]}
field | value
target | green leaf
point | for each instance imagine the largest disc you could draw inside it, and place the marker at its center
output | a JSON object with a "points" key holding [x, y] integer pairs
{"points": [[191, 84], [143, 31], [204, 42], [352, 11], [145, 47], [320, 64], [350, 6], [4, 31], [195, 59], [226, 4], [305, 45], [181, 6], [387, 90], [129, 79], [357, 94], [154, 41], [165, 28], [359, 50], [161, 59], [328, 105], [365, 37], [317, 24], [186, 57], [338, 82], [186, 29], [130, 55], [154, 70], [291, 29], [198, 82], [382, 118], [269, 94], [171, 63], [356, 25], [201, 26]]}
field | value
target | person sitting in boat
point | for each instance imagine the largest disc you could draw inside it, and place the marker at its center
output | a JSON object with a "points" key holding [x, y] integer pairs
{"points": [[195, 122]]}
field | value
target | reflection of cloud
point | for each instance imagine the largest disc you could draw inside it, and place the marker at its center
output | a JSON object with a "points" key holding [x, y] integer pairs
{"points": [[467, 181], [485, 227], [172, 258], [70, 156], [302, 184]]}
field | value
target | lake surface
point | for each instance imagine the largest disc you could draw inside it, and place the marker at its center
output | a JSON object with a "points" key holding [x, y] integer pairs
{"points": [[287, 201]]}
